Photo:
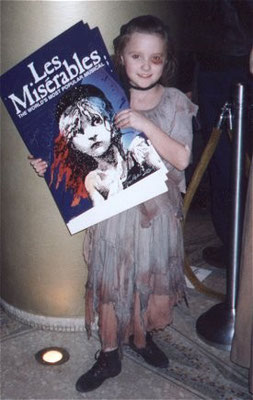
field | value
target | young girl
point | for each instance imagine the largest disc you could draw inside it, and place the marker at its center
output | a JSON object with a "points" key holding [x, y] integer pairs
{"points": [[135, 259]]}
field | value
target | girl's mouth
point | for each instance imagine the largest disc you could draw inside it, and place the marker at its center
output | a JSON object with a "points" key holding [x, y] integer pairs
{"points": [[96, 145], [145, 76]]}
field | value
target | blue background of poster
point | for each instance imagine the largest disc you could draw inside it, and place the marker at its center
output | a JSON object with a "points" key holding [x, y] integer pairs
{"points": [[36, 128]]}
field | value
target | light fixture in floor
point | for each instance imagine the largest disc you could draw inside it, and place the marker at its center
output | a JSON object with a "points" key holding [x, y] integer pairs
{"points": [[52, 356]]}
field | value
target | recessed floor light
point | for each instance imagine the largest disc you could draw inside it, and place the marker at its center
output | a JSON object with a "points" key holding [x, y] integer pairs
{"points": [[52, 356]]}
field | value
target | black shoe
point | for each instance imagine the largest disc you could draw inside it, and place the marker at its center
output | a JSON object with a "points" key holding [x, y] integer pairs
{"points": [[108, 365], [151, 353], [215, 256]]}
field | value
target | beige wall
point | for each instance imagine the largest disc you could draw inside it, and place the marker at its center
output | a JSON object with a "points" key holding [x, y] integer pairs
{"points": [[43, 271]]}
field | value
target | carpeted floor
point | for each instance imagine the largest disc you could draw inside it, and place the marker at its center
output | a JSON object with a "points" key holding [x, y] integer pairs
{"points": [[196, 366]]}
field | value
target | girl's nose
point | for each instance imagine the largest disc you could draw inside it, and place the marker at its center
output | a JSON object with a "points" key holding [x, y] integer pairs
{"points": [[93, 137], [91, 133], [146, 65]]}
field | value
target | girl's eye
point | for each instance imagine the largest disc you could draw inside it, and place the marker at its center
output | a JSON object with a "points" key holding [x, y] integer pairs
{"points": [[96, 120], [157, 60], [135, 56]]}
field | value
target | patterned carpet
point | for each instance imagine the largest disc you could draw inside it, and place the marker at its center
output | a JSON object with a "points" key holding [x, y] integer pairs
{"points": [[203, 369], [196, 369]]}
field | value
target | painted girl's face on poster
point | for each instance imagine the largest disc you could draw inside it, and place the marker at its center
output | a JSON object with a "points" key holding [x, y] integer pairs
{"points": [[88, 130]]}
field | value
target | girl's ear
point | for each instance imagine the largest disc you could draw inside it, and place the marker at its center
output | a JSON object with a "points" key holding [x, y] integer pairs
{"points": [[122, 60]]}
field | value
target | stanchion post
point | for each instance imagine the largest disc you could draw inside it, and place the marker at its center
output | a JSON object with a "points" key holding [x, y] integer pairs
{"points": [[216, 326], [238, 195]]}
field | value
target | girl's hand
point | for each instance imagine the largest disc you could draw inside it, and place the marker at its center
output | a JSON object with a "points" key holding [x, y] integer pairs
{"points": [[39, 165], [131, 119]]}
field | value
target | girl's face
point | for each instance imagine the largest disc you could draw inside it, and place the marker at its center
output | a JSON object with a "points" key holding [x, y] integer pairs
{"points": [[144, 57], [89, 132]]}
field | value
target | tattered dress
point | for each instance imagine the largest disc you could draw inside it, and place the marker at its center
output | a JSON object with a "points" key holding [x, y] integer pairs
{"points": [[135, 259]]}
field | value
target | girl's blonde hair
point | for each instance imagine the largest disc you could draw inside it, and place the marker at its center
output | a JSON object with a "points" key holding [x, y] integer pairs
{"points": [[151, 25]]}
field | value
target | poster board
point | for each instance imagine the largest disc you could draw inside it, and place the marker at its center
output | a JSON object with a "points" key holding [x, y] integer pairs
{"points": [[63, 99]]}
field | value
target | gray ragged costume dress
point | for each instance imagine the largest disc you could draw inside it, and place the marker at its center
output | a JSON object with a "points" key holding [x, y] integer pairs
{"points": [[135, 259]]}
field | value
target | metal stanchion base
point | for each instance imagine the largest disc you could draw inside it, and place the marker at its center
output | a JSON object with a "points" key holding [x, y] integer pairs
{"points": [[216, 326]]}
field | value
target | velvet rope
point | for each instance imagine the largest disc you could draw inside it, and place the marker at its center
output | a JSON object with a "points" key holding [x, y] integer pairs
{"points": [[191, 190]]}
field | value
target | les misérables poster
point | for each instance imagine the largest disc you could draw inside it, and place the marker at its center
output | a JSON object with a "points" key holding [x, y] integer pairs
{"points": [[63, 99]]}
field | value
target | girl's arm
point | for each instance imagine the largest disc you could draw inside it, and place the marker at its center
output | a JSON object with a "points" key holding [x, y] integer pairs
{"points": [[39, 165], [174, 152]]}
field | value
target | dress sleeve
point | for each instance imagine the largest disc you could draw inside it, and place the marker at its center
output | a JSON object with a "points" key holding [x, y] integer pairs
{"points": [[174, 116], [181, 123], [180, 127]]}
